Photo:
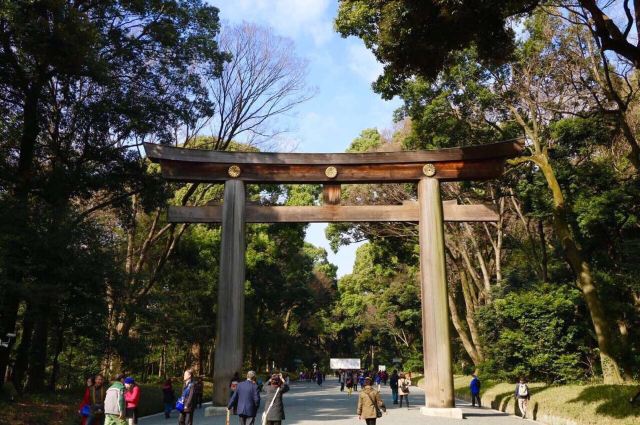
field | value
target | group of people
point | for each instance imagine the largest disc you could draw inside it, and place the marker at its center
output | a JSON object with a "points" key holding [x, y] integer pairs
{"points": [[116, 405], [316, 376], [350, 379], [245, 398]]}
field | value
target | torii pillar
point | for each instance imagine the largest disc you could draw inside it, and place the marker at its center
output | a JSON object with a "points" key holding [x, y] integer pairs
{"points": [[230, 317], [436, 345]]}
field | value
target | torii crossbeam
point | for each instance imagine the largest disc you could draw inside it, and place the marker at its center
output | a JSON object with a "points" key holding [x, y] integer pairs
{"points": [[426, 168]]}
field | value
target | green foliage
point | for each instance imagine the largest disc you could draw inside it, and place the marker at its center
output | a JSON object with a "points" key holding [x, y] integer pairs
{"points": [[369, 140], [536, 333], [379, 306], [419, 38]]}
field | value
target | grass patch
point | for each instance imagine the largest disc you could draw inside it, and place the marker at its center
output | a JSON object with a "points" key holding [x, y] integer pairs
{"points": [[595, 404]]}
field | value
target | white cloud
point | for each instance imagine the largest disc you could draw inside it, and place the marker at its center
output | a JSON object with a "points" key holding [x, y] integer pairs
{"points": [[362, 62], [291, 18]]}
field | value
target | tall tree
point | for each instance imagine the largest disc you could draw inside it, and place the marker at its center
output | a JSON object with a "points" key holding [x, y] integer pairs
{"points": [[414, 37], [263, 80], [82, 83]]}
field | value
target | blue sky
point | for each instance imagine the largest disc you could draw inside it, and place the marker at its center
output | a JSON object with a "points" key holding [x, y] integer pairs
{"points": [[341, 69]]}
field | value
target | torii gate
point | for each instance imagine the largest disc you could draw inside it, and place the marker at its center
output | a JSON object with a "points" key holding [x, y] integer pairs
{"points": [[426, 168]]}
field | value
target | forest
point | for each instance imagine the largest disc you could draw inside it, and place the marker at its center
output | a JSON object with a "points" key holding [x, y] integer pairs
{"points": [[94, 279]]}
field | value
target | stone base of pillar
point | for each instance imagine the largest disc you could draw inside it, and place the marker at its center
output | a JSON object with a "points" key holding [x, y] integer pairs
{"points": [[215, 411], [443, 412]]}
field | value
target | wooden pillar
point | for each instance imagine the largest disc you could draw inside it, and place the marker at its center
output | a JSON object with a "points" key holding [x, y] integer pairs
{"points": [[435, 313], [331, 194], [230, 317]]}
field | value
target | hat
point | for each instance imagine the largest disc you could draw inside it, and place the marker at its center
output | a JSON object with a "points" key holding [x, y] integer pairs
{"points": [[129, 380]]}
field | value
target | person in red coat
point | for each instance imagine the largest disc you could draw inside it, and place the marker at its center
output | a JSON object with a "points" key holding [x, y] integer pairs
{"points": [[86, 400], [131, 398]]}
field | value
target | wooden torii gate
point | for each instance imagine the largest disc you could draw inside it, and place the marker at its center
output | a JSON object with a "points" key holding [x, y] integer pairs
{"points": [[426, 168]]}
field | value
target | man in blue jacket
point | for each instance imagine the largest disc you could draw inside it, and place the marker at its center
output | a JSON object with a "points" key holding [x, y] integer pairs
{"points": [[474, 386], [246, 400]]}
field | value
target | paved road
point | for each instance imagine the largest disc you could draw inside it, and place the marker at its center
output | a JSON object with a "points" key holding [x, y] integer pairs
{"points": [[308, 404]]}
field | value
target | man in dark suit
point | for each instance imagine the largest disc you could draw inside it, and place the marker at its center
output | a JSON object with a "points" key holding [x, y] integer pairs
{"points": [[246, 400]]}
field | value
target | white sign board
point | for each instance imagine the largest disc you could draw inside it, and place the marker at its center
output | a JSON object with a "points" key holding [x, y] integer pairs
{"points": [[382, 368], [344, 363]]}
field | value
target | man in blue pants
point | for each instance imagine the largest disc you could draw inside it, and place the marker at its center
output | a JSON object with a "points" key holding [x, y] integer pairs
{"points": [[474, 386]]}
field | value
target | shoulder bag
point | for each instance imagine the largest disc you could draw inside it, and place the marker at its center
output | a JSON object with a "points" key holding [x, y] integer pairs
{"points": [[375, 405], [266, 412]]}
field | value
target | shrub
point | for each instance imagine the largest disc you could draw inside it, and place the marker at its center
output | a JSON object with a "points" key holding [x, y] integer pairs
{"points": [[535, 333]]}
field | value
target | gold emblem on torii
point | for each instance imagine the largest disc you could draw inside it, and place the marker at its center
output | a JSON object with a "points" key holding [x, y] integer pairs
{"points": [[331, 172], [429, 170], [234, 171]]}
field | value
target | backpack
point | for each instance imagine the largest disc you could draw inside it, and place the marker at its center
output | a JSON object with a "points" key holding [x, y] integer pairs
{"points": [[523, 390], [112, 401]]}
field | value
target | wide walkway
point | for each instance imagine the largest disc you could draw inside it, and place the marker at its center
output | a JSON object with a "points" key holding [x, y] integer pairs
{"points": [[309, 404]]}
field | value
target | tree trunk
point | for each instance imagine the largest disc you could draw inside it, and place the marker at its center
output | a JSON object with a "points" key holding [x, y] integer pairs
{"points": [[55, 369], [464, 337], [584, 276], [38, 355], [470, 315], [196, 358], [22, 353], [543, 249], [8, 318]]}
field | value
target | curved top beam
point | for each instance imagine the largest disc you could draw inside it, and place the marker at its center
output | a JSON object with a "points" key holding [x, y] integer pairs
{"points": [[466, 163], [507, 149]]}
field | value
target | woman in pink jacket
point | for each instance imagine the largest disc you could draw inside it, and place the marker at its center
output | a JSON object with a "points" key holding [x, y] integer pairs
{"points": [[131, 398]]}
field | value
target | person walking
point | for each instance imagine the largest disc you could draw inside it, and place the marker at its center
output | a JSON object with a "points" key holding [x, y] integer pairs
{"points": [[198, 389], [114, 403], [246, 400], [349, 384], [319, 377], [393, 383], [185, 403], [274, 413], [523, 396], [370, 405], [474, 386], [94, 400], [131, 397], [403, 388], [168, 398], [342, 377]]}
